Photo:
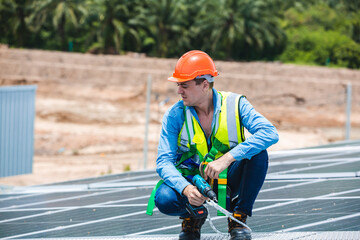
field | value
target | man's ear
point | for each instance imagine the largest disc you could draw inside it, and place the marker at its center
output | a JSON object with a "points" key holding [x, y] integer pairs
{"points": [[206, 85]]}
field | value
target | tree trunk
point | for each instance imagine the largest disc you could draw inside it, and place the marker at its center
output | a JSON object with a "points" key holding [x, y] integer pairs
{"points": [[21, 32], [61, 30]]}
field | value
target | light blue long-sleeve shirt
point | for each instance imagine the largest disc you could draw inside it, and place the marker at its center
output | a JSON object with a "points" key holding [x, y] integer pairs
{"points": [[264, 135]]}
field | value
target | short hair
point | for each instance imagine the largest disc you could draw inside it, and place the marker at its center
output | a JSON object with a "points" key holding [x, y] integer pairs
{"points": [[198, 81]]}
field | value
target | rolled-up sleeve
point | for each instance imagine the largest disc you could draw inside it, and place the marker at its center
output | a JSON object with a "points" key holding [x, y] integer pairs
{"points": [[264, 134], [167, 150]]}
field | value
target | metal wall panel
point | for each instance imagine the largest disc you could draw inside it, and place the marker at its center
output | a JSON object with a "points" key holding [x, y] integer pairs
{"points": [[17, 115]]}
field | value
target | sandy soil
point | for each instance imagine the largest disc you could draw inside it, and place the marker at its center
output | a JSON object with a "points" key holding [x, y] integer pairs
{"points": [[90, 110]]}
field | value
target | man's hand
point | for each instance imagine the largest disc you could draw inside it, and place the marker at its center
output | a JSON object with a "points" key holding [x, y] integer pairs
{"points": [[194, 196], [214, 168]]}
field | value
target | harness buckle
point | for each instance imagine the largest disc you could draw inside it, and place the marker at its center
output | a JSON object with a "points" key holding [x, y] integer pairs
{"points": [[202, 168]]}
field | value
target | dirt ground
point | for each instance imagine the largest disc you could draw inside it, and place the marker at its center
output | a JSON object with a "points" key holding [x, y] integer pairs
{"points": [[90, 109]]}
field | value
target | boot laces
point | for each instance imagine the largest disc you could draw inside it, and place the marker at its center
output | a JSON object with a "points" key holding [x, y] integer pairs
{"points": [[192, 225], [235, 225]]}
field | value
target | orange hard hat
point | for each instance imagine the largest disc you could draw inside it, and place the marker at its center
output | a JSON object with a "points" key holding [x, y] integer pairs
{"points": [[192, 64]]}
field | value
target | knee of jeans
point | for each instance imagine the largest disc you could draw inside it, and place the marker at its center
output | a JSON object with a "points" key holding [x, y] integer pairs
{"points": [[164, 200]]}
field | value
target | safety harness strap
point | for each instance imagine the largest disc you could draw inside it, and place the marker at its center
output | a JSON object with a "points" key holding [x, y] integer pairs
{"points": [[187, 155], [222, 181], [151, 202], [187, 172]]}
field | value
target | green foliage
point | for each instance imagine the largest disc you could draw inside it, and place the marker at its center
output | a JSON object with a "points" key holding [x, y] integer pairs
{"points": [[320, 32], [347, 55], [165, 23], [13, 29], [63, 15], [318, 47], [127, 168], [246, 29]]}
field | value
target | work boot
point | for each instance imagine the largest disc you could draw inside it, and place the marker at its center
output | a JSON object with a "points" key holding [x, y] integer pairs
{"points": [[190, 228], [236, 230]]}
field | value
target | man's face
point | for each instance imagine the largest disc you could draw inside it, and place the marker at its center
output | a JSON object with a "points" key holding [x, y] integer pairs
{"points": [[191, 93]]}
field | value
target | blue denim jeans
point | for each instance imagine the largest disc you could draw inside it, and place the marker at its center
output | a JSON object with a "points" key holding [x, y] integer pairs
{"points": [[245, 179]]}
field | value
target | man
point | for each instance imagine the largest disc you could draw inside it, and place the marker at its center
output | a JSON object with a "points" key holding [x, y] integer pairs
{"points": [[205, 128]]}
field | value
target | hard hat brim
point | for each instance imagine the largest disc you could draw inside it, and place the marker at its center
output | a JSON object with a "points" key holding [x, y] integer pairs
{"points": [[178, 80]]}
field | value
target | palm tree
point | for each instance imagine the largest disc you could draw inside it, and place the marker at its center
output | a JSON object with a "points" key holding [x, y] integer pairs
{"points": [[253, 24], [262, 28], [62, 13], [166, 23], [117, 26], [12, 20]]}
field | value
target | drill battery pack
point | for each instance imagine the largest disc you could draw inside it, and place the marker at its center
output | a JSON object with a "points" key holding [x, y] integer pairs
{"points": [[197, 212]]}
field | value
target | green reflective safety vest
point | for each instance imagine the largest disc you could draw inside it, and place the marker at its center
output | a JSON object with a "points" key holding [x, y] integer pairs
{"points": [[227, 133]]}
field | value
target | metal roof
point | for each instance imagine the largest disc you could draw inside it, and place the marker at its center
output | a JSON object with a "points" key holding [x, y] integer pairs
{"points": [[309, 193]]}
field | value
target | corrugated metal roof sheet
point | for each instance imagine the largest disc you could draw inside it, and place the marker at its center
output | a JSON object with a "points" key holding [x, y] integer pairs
{"points": [[17, 114]]}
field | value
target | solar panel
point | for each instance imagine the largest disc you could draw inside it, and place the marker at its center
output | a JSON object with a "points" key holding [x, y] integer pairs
{"points": [[309, 193]]}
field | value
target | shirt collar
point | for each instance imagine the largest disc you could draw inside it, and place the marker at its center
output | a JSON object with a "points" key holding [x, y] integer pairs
{"points": [[216, 101]]}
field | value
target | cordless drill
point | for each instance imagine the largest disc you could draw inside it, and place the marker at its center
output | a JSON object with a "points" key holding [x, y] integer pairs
{"points": [[205, 189]]}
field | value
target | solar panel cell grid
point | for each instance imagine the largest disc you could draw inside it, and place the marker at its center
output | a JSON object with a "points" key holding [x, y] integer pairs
{"points": [[308, 194], [292, 166], [343, 167], [38, 198], [16, 214], [351, 224]]}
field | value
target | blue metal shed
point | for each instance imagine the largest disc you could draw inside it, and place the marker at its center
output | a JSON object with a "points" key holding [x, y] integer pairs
{"points": [[17, 115]]}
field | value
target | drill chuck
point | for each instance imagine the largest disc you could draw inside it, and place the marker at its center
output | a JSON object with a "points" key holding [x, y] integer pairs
{"points": [[210, 194]]}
